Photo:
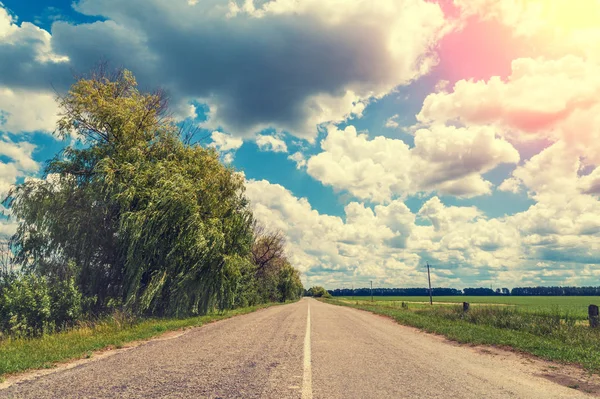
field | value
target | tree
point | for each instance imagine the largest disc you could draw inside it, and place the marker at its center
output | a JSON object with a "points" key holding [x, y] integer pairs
{"points": [[277, 279], [7, 264], [136, 216], [318, 292]]}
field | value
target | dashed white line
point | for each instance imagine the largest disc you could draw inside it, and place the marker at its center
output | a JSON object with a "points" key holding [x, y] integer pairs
{"points": [[307, 378]]}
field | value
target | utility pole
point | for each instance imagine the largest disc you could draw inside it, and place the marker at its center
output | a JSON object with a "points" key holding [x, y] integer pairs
{"points": [[371, 290], [352, 291], [429, 279]]}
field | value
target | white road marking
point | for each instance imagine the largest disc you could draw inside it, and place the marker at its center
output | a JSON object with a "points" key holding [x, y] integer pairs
{"points": [[307, 378]]}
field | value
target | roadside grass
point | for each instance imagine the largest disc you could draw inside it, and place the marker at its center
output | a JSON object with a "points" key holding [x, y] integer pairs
{"points": [[576, 306], [546, 335], [20, 354]]}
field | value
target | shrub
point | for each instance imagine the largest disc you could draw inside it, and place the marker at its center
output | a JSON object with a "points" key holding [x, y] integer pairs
{"points": [[30, 306]]}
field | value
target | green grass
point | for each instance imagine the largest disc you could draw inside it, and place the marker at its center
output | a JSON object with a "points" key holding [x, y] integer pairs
{"points": [[21, 354], [543, 333], [575, 306]]}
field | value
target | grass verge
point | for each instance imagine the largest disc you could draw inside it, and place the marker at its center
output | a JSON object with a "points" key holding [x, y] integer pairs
{"points": [[17, 355], [546, 338]]}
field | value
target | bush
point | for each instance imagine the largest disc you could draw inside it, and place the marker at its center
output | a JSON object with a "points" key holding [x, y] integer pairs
{"points": [[30, 306]]}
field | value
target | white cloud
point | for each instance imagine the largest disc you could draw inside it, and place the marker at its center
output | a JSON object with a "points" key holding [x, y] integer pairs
{"points": [[225, 142], [20, 152], [228, 158], [299, 158], [270, 143], [392, 122], [542, 99], [367, 243], [444, 159], [385, 243], [20, 163], [534, 97], [27, 111]]}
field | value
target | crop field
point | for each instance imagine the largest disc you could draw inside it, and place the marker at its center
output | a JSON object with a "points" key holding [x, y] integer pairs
{"points": [[567, 306]]}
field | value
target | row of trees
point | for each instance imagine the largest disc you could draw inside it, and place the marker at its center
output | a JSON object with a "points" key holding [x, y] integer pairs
{"points": [[317, 292], [135, 218], [394, 291], [517, 291], [556, 291]]}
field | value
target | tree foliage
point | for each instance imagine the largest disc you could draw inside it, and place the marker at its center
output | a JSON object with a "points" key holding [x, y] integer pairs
{"points": [[140, 219], [318, 292]]}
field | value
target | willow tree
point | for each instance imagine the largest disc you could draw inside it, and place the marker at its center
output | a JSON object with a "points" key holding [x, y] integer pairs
{"points": [[137, 217]]}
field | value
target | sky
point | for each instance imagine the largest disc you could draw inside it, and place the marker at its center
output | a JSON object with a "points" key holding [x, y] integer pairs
{"points": [[377, 135]]}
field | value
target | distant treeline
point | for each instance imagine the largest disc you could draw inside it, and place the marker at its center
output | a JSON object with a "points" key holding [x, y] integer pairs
{"points": [[517, 291]]}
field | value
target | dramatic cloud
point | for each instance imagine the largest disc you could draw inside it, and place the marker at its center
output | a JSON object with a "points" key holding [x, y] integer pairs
{"points": [[254, 69], [253, 64], [445, 159], [28, 60]]}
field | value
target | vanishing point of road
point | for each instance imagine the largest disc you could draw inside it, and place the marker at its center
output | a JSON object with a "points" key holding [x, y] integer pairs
{"points": [[308, 349]]}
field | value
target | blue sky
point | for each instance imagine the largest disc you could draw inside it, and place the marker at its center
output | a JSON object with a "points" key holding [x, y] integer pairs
{"points": [[375, 136]]}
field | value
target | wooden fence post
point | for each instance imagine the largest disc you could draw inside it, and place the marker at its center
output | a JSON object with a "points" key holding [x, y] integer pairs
{"points": [[593, 316], [466, 306]]}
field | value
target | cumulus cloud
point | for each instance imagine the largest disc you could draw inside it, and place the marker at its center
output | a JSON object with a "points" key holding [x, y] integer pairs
{"points": [[367, 243], [386, 242], [299, 158], [445, 159], [27, 111], [537, 95], [226, 144], [541, 99], [19, 162], [563, 224], [270, 143], [464, 236], [254, 65]]}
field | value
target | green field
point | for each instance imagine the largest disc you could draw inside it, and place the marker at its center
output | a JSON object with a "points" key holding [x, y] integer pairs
{"points": [[573, 306]]}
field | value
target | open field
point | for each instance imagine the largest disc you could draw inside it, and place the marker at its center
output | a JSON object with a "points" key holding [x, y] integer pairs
{"points": [[568, 306], [554, 330]]}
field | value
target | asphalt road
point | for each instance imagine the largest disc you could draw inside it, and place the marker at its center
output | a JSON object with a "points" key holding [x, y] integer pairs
{"points": [[302, 350]]}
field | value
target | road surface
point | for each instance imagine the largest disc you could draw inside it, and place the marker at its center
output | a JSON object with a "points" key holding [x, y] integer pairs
{"points": [[303, 350]]}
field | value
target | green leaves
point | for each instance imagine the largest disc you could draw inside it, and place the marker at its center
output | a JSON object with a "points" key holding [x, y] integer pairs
{"points": [[139, 219]]}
